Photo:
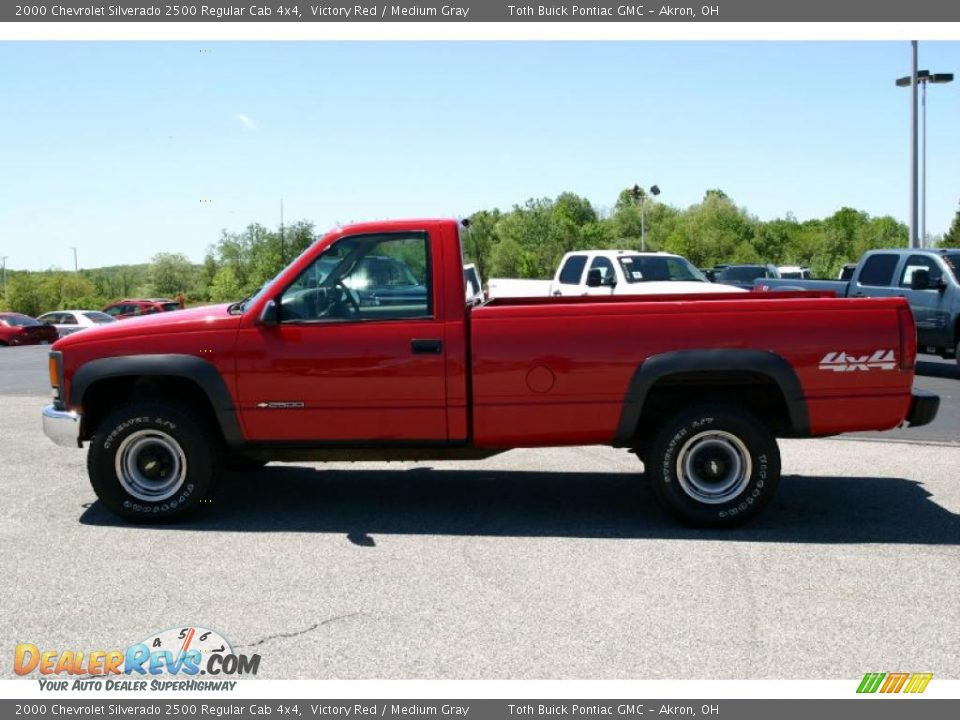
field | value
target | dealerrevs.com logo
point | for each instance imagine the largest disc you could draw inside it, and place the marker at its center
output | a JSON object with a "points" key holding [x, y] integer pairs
{"points": [[169, 660]]}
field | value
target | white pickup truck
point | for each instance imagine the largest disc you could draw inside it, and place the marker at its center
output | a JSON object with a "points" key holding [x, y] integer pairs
{"points": [[613, 272]]}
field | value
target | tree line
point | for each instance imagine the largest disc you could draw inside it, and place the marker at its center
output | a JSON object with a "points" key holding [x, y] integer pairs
{"points": [[525, 242]]}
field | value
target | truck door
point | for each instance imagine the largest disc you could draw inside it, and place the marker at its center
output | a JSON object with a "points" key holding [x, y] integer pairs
{"points": [[608, 274], [875, 277], [931, 306], [357, 353]]}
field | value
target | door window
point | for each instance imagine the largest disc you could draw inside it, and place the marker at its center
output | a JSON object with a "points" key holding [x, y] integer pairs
{"points": [[878, 270], [604, 266], [920, 262], [363, 277]]}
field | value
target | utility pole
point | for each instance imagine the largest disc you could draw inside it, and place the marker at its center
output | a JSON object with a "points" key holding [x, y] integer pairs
{"points": [[914, 170], [4, 261], [75, 266]]}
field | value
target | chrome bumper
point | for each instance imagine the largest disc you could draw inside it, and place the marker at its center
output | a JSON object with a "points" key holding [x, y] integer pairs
{"points": [[62, 426]]}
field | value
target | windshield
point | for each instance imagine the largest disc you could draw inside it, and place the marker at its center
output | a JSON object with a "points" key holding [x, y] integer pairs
{"points": [[18, 321], [744, 273], [99, 317], [651, 268], [953, 262], [250, 299]]}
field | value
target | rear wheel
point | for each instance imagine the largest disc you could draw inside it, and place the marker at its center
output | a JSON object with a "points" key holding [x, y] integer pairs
{"points": [[151, 462], [714, 466]]}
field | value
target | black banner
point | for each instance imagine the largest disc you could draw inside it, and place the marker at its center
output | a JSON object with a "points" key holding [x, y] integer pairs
{"points": [[74, 11], [853, 709]]}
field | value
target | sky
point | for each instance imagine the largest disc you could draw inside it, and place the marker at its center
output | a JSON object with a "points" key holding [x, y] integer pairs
{"points": [[126, 149]]}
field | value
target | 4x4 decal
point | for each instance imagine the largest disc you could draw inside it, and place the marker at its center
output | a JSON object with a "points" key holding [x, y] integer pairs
{"points": [[841, 362]]}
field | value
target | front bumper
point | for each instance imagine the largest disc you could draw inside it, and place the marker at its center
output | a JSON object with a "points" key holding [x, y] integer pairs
{"points": [[62, 426], [923, 408]]}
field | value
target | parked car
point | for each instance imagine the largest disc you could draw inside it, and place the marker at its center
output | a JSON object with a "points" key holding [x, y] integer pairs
{"points": [[743, 276], [135, 308], [698, 386], [794, 272], [613, 272], [846, 272], [71, 321], [20, 329], [928, 278]]}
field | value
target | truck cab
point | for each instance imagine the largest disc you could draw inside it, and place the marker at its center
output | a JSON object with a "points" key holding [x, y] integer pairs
{"points": [[628, 272]]}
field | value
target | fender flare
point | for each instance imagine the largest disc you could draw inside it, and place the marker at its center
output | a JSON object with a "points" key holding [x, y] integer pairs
{"points": [[657, 367], [189, 367]]}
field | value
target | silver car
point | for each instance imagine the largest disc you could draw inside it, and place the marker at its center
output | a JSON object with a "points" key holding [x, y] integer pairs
{"points": [[68, 322]]}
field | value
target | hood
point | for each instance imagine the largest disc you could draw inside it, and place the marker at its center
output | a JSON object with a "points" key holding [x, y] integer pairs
{"points": [[208, 317], [679, 287]]}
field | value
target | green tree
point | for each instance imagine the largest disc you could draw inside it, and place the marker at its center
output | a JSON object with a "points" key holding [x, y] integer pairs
{"points": [[225, 286], [952, 236], [170, 273]]}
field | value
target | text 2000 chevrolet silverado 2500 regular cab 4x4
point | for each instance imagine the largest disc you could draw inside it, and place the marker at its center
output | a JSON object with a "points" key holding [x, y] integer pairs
{"points": [[314, 367]]}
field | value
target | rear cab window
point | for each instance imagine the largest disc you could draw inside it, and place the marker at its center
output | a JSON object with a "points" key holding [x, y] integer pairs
{"points": [[878, 270], [572, 270]]}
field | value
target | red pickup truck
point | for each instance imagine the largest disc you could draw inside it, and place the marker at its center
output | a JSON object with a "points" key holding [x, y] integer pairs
{"points": [[331, 361]]}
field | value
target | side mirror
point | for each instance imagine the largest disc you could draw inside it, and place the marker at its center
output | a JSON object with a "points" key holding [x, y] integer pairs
{"points": [[920, 279], [595, 278], [270, 315]]}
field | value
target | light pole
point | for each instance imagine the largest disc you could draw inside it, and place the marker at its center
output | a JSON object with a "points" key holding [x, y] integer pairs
{"points": [[4, 261], [74, 259], [640, 196], [924, 77]]}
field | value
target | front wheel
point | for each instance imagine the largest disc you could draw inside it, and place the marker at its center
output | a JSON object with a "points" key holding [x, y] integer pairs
{"points": [[714, 466], [151, 462]]}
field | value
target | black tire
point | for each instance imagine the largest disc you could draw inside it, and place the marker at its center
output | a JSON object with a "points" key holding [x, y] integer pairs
{"points": [[166, 467], [714, 466]]}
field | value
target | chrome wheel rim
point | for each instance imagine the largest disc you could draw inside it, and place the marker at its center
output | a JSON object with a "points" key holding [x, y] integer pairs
{"points": [[150, 465], [714, 467]]}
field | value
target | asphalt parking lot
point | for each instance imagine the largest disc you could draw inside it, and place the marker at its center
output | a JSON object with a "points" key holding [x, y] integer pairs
{"points": [[533, 564]]}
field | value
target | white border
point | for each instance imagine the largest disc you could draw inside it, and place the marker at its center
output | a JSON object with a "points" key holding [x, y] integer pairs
{"points": [[414, 31], [610, 690]]}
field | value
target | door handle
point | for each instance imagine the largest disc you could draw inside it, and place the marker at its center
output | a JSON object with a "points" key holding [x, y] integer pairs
{"points": [[556, 293], [426, 347]]}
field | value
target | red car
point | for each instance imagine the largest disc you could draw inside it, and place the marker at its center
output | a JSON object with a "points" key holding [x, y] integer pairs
{"points": [[136, 308], [698, 386], [19, 329]]}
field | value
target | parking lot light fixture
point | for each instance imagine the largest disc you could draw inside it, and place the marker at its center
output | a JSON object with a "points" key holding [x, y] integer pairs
{"points": [[639, 196], [924, 77]]}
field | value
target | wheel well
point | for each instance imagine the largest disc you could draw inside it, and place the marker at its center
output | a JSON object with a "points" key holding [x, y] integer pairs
{"points": [[106, 395], [755, 392]]}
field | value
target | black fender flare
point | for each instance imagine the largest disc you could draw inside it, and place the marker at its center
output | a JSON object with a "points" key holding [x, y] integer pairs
{"points": [[660, 366], [189, 367]]}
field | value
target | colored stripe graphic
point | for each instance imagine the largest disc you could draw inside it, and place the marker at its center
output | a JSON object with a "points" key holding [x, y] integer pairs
{"points": [[894, 682], [918, 682], [870, 682]]}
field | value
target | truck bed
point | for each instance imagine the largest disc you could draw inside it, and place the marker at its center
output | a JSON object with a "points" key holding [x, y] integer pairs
{"points": [[578, 356]]}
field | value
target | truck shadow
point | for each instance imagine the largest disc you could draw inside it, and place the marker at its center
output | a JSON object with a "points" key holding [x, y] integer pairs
{"points": [[360, 504], [949, 371]]}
